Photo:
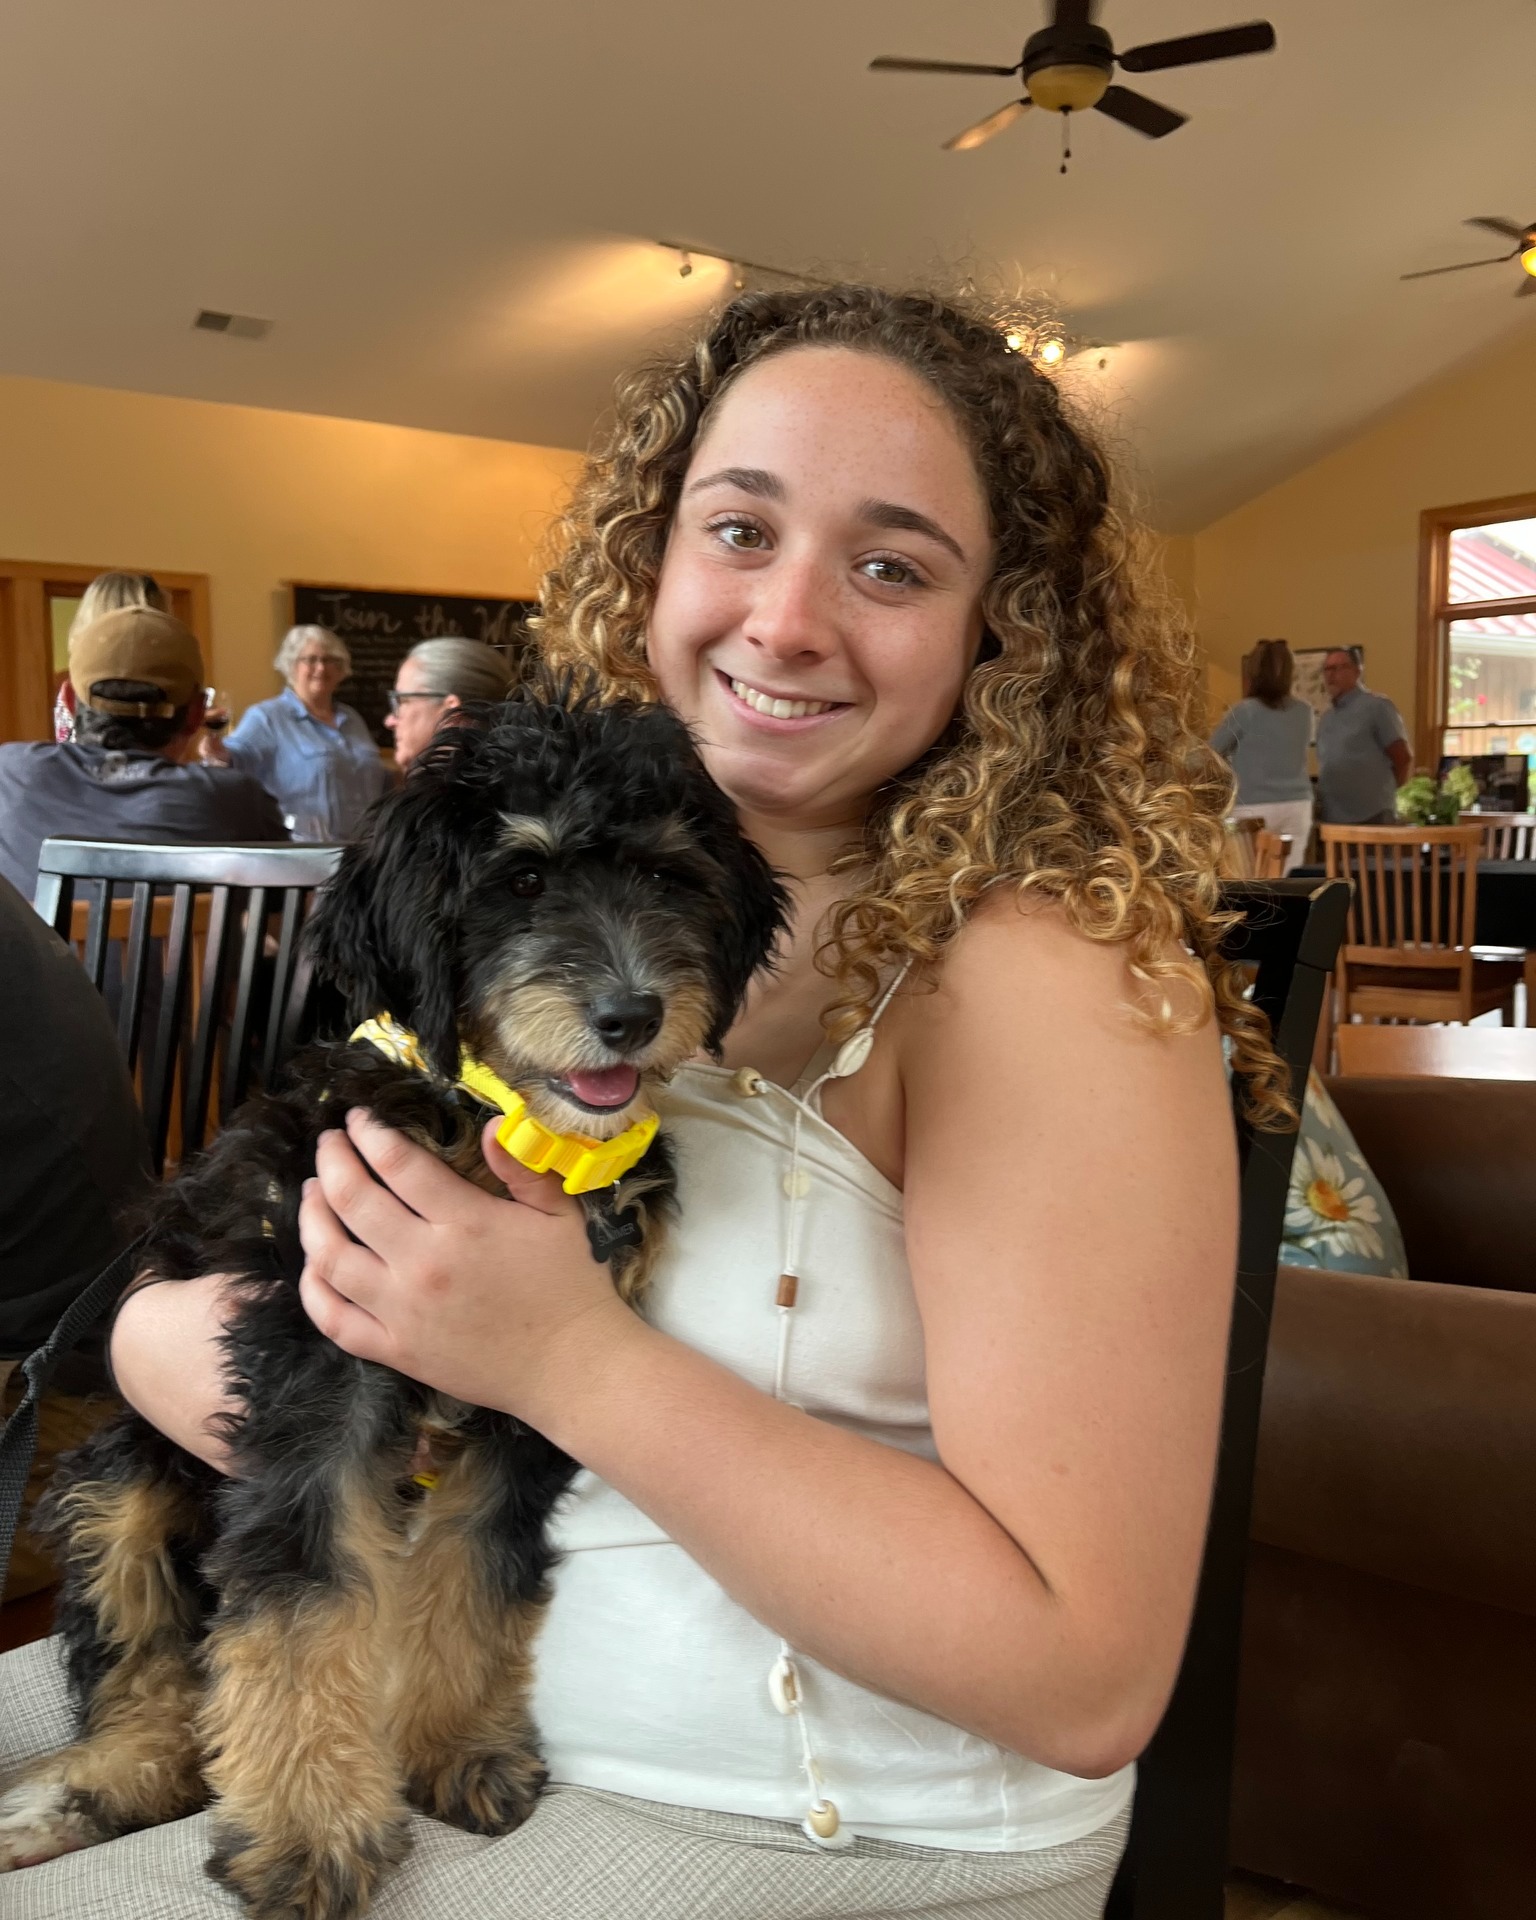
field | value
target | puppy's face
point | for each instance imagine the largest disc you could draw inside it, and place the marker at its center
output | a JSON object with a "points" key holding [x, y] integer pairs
{"points": [[588, 955], [559, 887]]}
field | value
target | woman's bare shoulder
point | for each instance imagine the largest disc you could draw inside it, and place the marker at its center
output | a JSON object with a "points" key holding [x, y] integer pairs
{"points": [[1022, 981]]}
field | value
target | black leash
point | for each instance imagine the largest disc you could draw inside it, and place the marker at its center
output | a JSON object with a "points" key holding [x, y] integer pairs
{"points": [[18, 1437]]}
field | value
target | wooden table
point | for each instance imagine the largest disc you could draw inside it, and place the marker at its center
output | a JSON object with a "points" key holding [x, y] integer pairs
{"points": [[1463, 1053]]}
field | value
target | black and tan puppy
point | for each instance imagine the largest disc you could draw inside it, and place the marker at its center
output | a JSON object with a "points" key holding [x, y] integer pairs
{"points": [[345, 1627]]}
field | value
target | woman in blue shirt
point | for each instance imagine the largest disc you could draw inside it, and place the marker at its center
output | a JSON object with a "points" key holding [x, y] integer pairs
{"points": [[315, 756], [1265, 738]]}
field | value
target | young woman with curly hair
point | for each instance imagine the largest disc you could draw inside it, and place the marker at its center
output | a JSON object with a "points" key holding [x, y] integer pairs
{"points": [[877, 1578]]}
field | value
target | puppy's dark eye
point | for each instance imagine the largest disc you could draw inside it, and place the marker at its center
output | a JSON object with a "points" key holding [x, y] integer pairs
{"points": [[527, 883]]}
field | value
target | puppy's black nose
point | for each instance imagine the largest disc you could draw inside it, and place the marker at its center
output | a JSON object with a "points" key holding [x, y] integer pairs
{"points": [[626, 1019]]}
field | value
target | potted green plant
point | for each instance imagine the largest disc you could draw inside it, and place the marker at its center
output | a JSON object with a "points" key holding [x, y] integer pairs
{"points": [[1421, 802]]}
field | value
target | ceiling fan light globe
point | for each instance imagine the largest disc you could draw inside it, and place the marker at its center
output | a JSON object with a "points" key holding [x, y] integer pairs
{"points": [[1067, 89], [1528, 259], [1051, 351]]}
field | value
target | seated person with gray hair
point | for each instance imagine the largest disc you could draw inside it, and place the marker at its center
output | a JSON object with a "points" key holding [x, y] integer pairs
{"points": [[434, 678], [135, 687], [313, 754]]}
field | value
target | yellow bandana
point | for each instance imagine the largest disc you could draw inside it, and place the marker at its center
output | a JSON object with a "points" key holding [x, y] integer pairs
{"points": [[585, 1165]]}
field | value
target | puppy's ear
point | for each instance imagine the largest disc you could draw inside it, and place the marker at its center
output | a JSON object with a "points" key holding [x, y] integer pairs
{"points": [[756, 912], [752, 906], [386, 928]]}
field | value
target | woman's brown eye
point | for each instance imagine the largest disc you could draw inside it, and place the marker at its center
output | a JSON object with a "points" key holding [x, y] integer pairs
{"points": [[527, 883]]}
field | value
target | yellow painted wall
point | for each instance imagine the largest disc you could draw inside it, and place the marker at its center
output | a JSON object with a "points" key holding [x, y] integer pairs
{"points": [[253, 497], [1330, 558]]}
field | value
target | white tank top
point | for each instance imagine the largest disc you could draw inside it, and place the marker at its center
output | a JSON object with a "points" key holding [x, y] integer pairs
{"points": [[649, 1679]]}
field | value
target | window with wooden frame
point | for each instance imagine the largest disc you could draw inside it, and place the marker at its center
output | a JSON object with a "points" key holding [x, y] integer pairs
{"points": [[1477, 630], [37, 602]]}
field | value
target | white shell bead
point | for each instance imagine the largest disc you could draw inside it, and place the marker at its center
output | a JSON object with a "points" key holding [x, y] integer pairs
{"points": [[797, 1185], [852, 1054], [783, 1687]]}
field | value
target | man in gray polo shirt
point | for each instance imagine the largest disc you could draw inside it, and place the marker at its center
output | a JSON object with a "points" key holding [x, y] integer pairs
{"points": [[1362, 749]]}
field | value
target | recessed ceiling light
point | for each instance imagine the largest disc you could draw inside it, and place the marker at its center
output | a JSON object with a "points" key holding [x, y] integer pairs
{"points": [[240, 326]]}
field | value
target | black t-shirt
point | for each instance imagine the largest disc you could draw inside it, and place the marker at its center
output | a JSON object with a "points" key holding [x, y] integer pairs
{"points": [[91, 793], [72, 1147]]}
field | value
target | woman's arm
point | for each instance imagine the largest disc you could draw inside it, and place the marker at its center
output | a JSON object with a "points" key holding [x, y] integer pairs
{"points": [[1071, 1215], [167, 1365], [251, 746]]}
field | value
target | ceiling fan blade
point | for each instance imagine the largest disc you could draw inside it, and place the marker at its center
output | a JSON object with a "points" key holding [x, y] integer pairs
{"points": [[1428, 273], [893, 63], [1132, 109], [1073, 14], [983, 130], [1226, 44], [1505, 227]]}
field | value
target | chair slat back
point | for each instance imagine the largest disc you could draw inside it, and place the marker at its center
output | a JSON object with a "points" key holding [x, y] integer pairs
{"points": [[1509, 836], [1176, 1859], [1414, 888], [1240, 859], [202, 908], [1270, 853]]}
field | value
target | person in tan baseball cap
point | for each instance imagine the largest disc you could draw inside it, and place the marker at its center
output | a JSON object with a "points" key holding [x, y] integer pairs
{"points": [[119, 663], [135, 692]]}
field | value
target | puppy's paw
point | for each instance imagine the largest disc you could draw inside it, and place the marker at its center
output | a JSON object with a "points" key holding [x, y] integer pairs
{"points": [[39, 1820], [482, 1793], [330, 1881]]}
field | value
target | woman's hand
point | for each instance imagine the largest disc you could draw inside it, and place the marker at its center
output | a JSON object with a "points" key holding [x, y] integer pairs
{"points": [[497, 1302]]}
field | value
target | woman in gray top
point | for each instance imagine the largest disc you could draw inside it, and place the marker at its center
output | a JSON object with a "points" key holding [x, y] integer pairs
{"points": [[1265, 737]]}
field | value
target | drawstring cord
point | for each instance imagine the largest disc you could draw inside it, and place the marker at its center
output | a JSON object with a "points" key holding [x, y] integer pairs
{"points": [[822, 1822]]}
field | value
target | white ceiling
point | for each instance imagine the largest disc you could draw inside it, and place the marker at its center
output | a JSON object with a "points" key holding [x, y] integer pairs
{"points": [[442, 206]]}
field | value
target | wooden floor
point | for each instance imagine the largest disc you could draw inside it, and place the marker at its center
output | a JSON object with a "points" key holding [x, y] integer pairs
{"points": [[1251, 1898]]}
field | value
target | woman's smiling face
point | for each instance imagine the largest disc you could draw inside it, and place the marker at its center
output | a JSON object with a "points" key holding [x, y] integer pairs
{"points": [[819, 604]]}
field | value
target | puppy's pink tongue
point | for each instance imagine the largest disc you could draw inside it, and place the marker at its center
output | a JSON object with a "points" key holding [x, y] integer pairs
{"points": [[604, 1086]]}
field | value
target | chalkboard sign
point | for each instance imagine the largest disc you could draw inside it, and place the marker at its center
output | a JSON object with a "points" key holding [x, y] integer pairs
{"points": [[381, 627]]}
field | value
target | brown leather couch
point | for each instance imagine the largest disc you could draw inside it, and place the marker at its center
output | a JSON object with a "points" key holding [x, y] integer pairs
{"points": [[1387, 1719]]}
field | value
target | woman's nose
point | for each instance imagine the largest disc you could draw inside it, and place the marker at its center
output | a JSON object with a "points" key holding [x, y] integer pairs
{"points": [[792, 616]]}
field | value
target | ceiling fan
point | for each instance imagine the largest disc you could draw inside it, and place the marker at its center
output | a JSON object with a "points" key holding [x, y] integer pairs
{"points": [[1068, 66], [1524, 247]]}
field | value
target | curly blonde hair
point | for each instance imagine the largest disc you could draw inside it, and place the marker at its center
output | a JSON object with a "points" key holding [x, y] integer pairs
{"points": [[1073, 768]]}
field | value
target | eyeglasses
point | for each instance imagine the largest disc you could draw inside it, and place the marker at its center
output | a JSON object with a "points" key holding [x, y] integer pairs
{"points": [[395, 697]]}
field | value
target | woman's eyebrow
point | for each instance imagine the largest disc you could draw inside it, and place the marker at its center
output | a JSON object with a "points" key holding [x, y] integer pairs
{"points": [[758, 480], [886, 513]]}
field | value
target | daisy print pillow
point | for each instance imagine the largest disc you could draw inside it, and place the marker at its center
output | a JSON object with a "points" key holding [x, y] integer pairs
{"points": [[1336, 1214]]}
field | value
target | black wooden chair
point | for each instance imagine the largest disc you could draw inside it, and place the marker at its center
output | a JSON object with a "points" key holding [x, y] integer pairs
{"points": [[1175, 1864], [214, 909]]}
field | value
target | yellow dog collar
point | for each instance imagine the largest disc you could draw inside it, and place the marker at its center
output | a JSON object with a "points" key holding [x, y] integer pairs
{"points": [[584, 1164]]}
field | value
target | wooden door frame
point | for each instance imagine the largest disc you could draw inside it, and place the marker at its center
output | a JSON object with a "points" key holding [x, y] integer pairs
{"points": [[1436, 525], [26, 642]]}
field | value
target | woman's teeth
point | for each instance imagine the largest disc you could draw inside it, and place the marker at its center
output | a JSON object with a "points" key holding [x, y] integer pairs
{"points": [[779, 709]]}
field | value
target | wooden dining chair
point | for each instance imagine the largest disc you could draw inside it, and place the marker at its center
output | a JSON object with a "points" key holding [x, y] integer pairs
{"points": [[1240, 855], [230, 1012], [1252, 852], [1175, 1862], [119, 927], [1409, 953], [1270, 853], [1507, 836]]}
